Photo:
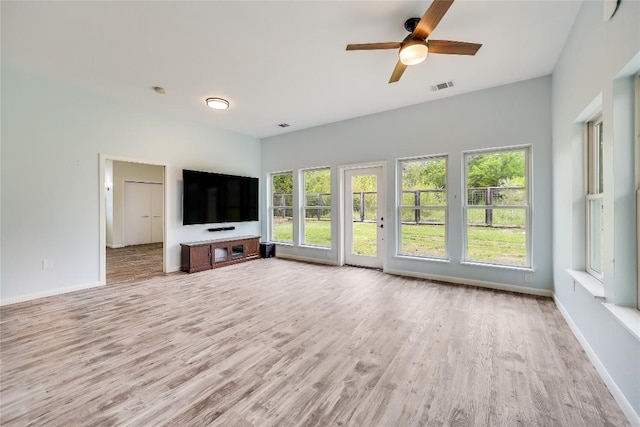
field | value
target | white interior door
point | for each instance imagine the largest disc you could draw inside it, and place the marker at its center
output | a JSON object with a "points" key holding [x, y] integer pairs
{"points": [[157, 210], [137, 213], [364, 217]]}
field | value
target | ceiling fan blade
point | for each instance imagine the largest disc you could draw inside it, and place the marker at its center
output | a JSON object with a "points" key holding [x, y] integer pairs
{"points": [[453, 48], [397, 72], [431, 18], [372, 46]]}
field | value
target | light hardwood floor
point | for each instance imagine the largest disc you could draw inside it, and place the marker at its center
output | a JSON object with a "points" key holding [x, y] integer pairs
{"points": [[280, 343], [134, 263]]}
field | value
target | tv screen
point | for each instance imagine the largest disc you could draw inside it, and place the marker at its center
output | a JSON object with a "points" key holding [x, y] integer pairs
{"points": [[210, 198]]}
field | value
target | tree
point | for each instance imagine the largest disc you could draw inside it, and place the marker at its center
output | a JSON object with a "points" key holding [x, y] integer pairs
{"points": [[365, 183], [429, 174], [317, 181], [283, 183], [434, 175], [494, 169], [317, 188]]}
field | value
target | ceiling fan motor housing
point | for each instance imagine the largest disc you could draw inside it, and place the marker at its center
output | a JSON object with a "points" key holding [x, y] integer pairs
{"points": [[411, 24]]}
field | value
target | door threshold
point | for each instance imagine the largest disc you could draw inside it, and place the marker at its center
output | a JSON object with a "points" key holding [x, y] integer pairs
{"points": [[363, 266]]}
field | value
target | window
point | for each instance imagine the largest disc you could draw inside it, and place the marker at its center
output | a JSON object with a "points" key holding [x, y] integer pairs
{"points": [[497, 207], [316, 211], [423, 207], [637, 144], [594, 199], [282, 207]]}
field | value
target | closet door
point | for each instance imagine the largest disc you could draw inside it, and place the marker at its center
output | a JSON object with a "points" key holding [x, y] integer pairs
{"points": [[157, 210], [137, 213]]}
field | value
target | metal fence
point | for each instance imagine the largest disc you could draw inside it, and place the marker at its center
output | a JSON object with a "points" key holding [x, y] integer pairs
{"points": [[495, 196], [423, 203], [365, 203]]}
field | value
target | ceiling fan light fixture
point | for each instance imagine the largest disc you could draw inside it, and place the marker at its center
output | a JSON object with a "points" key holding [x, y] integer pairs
{"points": [[218, 103], [413, 52]]}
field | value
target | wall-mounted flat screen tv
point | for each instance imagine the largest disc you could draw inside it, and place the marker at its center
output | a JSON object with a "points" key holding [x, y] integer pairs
{"points": [[210, 198]]}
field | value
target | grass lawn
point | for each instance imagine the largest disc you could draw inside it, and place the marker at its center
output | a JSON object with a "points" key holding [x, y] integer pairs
{"points": [[500, 245]]}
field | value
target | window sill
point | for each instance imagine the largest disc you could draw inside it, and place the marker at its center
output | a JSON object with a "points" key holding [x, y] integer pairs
{"points": [[322, 248], [420, 258], [502, 266], [282, 243], [628, 316], [588, 282]]}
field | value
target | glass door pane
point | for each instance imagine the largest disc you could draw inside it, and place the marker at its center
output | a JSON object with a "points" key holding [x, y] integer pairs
{"points": [[365, 206], [363, 220]]}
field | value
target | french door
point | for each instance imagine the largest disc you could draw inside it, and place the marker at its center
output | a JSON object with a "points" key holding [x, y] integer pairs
{"points": [[364, 217]]}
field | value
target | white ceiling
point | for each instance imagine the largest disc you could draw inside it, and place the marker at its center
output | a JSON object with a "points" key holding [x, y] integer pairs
{"points": [[276, 61]]}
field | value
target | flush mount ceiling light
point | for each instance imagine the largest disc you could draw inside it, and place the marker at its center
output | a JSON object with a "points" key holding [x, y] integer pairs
{"points": [[413, 52], [218, 103]]}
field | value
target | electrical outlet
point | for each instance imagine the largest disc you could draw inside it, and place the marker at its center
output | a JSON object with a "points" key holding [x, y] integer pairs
{"points": [[528, 277], [47, 264]]}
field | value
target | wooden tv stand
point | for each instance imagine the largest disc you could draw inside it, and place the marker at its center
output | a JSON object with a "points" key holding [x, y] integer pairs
{"points": [[208, 254]]}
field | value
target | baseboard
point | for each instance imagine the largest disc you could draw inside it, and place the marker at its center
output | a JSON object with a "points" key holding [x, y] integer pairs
{"points": [[115, 246], [173, 269], [617, 394], [471, 282], [306, 259], [49, 293]]}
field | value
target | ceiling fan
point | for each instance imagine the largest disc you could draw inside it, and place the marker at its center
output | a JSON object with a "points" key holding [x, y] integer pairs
{"points": [[415, 47]]}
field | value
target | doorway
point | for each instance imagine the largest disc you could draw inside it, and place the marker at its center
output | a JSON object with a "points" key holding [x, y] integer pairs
{"points": [[364, 206], [132, 220]]}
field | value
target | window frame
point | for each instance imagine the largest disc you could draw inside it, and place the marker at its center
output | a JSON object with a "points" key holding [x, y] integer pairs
{"points": [[272, 208], [527, 207], [303, 206], [595, 190], [637, 168], [400, 207]]}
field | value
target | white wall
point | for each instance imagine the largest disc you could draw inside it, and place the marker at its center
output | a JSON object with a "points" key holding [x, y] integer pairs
{"points": [[509, 115], [52, 136], [592, 74], [127, 171]]}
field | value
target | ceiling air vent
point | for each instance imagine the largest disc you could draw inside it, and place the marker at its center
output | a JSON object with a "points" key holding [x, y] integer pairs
{"points": [[441, 86], [284, 125]]}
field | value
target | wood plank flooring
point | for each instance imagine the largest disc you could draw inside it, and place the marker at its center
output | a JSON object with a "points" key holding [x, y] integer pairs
{"points": [[280, 343], [134, 263]]}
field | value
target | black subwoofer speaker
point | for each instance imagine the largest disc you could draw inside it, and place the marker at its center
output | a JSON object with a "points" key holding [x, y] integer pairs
{"points": [[267, 250]]}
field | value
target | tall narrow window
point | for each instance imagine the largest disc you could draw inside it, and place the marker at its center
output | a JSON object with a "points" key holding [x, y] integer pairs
{"points": [[282, 207], [594, 199], [637, 108], [316, 210], [423, 207], [497, 207]]}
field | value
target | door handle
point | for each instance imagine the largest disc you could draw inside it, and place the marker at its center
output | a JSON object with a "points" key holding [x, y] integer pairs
{"points": [[145, 216]]}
